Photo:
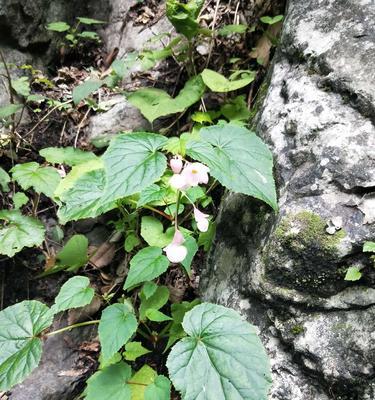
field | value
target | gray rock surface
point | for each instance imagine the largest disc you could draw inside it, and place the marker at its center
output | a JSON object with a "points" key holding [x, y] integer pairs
{"points": [[285, 272]]}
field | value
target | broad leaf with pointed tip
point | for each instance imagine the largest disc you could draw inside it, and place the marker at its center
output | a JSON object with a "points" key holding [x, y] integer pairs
{"points": [[18, 232], [84, 90], [222, 358], [219, 83], [66, 155], [238, 159], [116, 327], [76, 292], [160, 389], [41, 179], [20, 344]]}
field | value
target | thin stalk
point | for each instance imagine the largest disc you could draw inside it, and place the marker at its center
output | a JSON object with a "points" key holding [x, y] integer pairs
{"points": [[70, 327], [154, 210], [177, 207], [145, 335]]}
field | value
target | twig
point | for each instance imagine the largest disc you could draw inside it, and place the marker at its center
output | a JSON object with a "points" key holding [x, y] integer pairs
{"points": [[80, 126], [213, 37]]}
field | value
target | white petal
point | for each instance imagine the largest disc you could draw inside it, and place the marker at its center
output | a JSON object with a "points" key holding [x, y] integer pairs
{"points": [[176, 253]]}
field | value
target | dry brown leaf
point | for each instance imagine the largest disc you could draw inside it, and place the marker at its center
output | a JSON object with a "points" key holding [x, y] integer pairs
{"points": [[263, 48], [103, 255], [76, 315]]}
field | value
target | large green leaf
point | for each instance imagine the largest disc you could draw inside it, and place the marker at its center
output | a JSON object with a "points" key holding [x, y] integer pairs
{"points": [[152, 232], [160, 389], [76, 292], [84, 198], [20, 346], [155, 103], [83, 90], [219, 83], [132, 162], [116, 327], [184, 16], [140, 380], [238, 159], [66, 155], [146, 265], [41, 179], [18, 232], [221, 359]]}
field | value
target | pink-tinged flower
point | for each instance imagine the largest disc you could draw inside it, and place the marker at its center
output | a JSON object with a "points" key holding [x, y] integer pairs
{"points": [[195, 173], [176, 251], [178, 182], [201, 219], [176, 164]]}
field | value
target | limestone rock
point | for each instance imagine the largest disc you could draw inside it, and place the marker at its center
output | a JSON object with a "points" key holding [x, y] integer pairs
{"points": [[318, 119]]}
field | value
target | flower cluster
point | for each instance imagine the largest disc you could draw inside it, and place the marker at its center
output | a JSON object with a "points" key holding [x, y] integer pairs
{"points": [[185, 177]]}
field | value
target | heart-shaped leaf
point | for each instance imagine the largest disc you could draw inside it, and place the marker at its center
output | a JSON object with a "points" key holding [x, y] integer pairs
{"points": [[221, 358], [83, 90], [20, 345], [219, 83], [74, 254]]}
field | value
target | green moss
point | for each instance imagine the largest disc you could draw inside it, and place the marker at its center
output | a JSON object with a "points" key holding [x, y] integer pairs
{"points": [[297, 329], [262, 92], [305, 230]]}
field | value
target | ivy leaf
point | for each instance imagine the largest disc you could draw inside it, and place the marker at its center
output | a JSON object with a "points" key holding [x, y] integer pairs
{"points": [[219, 83], [84, 198], [153, 233], [160, 389], [4, 180], [110, 383], [20, 346], [155, 103], [147, 264], [58, 26], [41, 179], [74, 254], [19, 199], [132, 162], [18, 232], [238, 159], [353, 274], [369, 247], [84, 90], [134, 350], [66, 155], [7, 111], [222, 356], [156, 301], [117, 325], [74, 293]]}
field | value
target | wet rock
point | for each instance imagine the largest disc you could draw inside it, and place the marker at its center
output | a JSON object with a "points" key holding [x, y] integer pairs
{"points": [[289, 268]]}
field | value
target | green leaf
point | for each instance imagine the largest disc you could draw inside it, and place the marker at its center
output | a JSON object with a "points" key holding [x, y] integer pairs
{"points": [[140, 380], [183, 16], [236, 109], [132, 162], [21, 86], [83, 90], [19, 199], [4, 180], [205, 239], [110, 383], [156, 301], [152, 232], [7, 111], [353, 274], [18, 232], [117, 325], [66, 155], [192, 248], [58, 26], [155, 103], [41, 179], [147, 264], [134, 350], [74, 293], [20, 346], [222, 356], [131, 242], [172, 208], [90, 21], [219, 83], [230, 29], [369, 247], [160, 389], [89, 35], [148, 289], [271, 20], [74, 254], [157, 316], [152, 194], [201, 117], [238, 159], [85, 198], [116, 358]]}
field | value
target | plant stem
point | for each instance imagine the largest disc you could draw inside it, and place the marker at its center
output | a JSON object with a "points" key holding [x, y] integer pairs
{"points": [[145, 335], [177, 207], [68, 328], [154, 210]]}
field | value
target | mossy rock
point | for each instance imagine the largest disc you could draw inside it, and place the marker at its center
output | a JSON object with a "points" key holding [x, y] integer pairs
{"points": [[303, 256]]}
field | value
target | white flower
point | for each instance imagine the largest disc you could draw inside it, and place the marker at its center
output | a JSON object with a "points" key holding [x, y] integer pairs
{"points": [[176, 251], [195, 173], [176, 164], [201, 219]]}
